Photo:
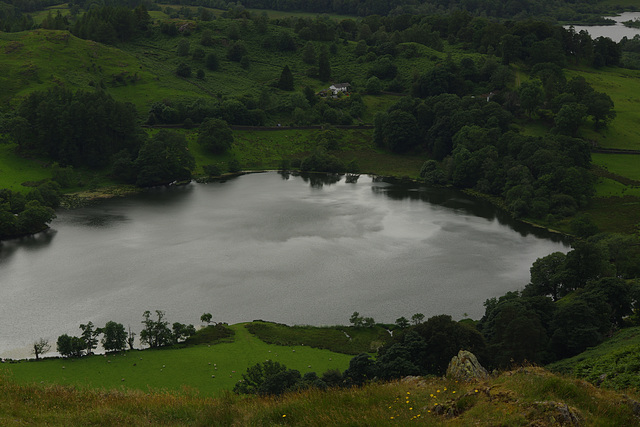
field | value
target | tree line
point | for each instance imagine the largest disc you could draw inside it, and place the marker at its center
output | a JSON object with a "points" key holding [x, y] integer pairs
{"points": [[157, 332]]}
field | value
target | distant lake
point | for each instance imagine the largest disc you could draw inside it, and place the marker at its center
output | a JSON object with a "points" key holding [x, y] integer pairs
{"points": [[614, 32], [296, 250]]}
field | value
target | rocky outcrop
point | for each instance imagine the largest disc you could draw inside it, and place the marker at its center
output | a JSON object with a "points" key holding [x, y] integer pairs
{"points": [[465, 367]]}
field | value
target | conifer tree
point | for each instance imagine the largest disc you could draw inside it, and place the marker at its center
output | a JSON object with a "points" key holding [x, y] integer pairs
{"points": [[286, 79], [324, 68]]}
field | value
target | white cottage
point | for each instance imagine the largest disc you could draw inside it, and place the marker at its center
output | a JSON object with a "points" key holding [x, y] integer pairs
{"points": [[339, 87]]}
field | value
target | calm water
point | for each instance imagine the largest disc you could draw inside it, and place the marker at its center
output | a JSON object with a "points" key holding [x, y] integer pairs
{"points": [[614, 32], [263, 247]]}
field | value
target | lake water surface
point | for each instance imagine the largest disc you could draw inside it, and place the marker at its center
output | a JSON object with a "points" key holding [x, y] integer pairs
{"points": [[614, 32], [260, 246]]}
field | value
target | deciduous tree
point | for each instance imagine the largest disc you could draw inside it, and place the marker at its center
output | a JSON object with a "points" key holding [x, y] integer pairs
{"points": [[215, 135]]}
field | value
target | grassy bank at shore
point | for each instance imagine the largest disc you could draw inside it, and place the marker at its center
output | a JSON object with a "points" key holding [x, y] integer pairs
{"points": [[205, 370]]}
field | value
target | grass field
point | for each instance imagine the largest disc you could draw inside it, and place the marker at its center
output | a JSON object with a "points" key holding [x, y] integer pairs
{"points": [[15, 170], [189, 370], [623, 86], [607, 188], [627, 165]]}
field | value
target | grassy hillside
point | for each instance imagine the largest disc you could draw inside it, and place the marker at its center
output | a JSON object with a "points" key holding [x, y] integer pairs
{"points": [[37, 60], [614, 363], [203, 369], [527, 396]]}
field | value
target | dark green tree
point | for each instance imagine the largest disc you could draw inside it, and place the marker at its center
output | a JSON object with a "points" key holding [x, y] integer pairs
{"points": [[114, 337], [399, 132], [156, 333], [163, 159], [531, 96], [236, 51], [211, 62], [206, 38], [600, 108], [183, 70], [69, 346], [402, 322], [324, 67], [361, 370], [215, 135], [547, 276], [286, 79], [89, 336], [267, 378], [569, 118], [183, 47], [34, 218], [181, 332], [309, 53]]}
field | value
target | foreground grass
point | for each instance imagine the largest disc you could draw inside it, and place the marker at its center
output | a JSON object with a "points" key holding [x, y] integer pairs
{"points": [[204, 370], [528, 396]]}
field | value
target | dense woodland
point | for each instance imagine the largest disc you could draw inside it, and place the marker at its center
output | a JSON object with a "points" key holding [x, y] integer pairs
{"points": [[459, 115]]}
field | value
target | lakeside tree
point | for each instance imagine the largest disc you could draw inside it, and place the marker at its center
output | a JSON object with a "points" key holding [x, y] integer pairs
{"points": [[417, 318], [89, 336], [69, 346], [206, 318], [114, 337], [180, 332], [75, 128], [163, 159], [40, 347], [402, 322], [156, 333], [215, 135]]}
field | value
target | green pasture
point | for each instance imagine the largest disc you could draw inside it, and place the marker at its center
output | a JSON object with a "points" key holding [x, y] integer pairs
{"points": [[627, 165], [606, 187], [623, 86], [203, 369], [15, 170]]}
